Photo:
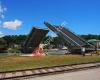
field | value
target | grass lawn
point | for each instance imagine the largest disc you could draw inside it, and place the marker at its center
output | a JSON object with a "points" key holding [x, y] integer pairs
{"points": [[9, 63]]}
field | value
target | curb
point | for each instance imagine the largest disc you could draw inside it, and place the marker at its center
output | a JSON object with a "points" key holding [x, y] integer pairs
{"points": [[47, 70]]}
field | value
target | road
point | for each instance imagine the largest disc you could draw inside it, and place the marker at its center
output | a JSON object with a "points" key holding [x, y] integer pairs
{"points": [[90, 74]]}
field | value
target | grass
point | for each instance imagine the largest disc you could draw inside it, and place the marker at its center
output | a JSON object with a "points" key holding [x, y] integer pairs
{"points": [[9, 63]]}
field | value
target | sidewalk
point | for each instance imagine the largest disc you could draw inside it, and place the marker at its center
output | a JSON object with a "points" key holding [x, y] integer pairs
{"points": [[40, 71]]}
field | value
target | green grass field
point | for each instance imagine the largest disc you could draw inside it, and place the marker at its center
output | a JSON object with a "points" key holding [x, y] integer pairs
{"points": [[9, 63]]}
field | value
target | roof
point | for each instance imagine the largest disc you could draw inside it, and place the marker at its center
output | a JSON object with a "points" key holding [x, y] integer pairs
{"points": [[93, 40]]}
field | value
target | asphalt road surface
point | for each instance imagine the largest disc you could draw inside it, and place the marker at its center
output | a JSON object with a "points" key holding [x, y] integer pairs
{"points": [[90, 74]]}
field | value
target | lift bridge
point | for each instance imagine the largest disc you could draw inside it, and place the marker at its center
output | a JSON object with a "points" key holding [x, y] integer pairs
{"points": [[34, 39], [72, 41]]}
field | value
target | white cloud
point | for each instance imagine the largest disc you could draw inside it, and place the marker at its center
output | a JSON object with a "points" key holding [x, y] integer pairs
{"points": [[2, 10], [12, 24]]}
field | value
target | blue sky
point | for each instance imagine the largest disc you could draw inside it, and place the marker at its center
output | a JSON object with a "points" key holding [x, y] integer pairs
{"points": [[80, 16]]}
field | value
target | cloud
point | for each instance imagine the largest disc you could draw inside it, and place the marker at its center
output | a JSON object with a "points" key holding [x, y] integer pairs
{"points": [[2, 10], [12, 24]]}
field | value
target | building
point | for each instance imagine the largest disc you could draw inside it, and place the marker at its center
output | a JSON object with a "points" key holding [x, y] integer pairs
{"points": [[95, 42]]}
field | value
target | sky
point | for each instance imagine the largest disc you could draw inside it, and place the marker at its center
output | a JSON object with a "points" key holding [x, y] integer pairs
{"points": [[19, 16]]}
